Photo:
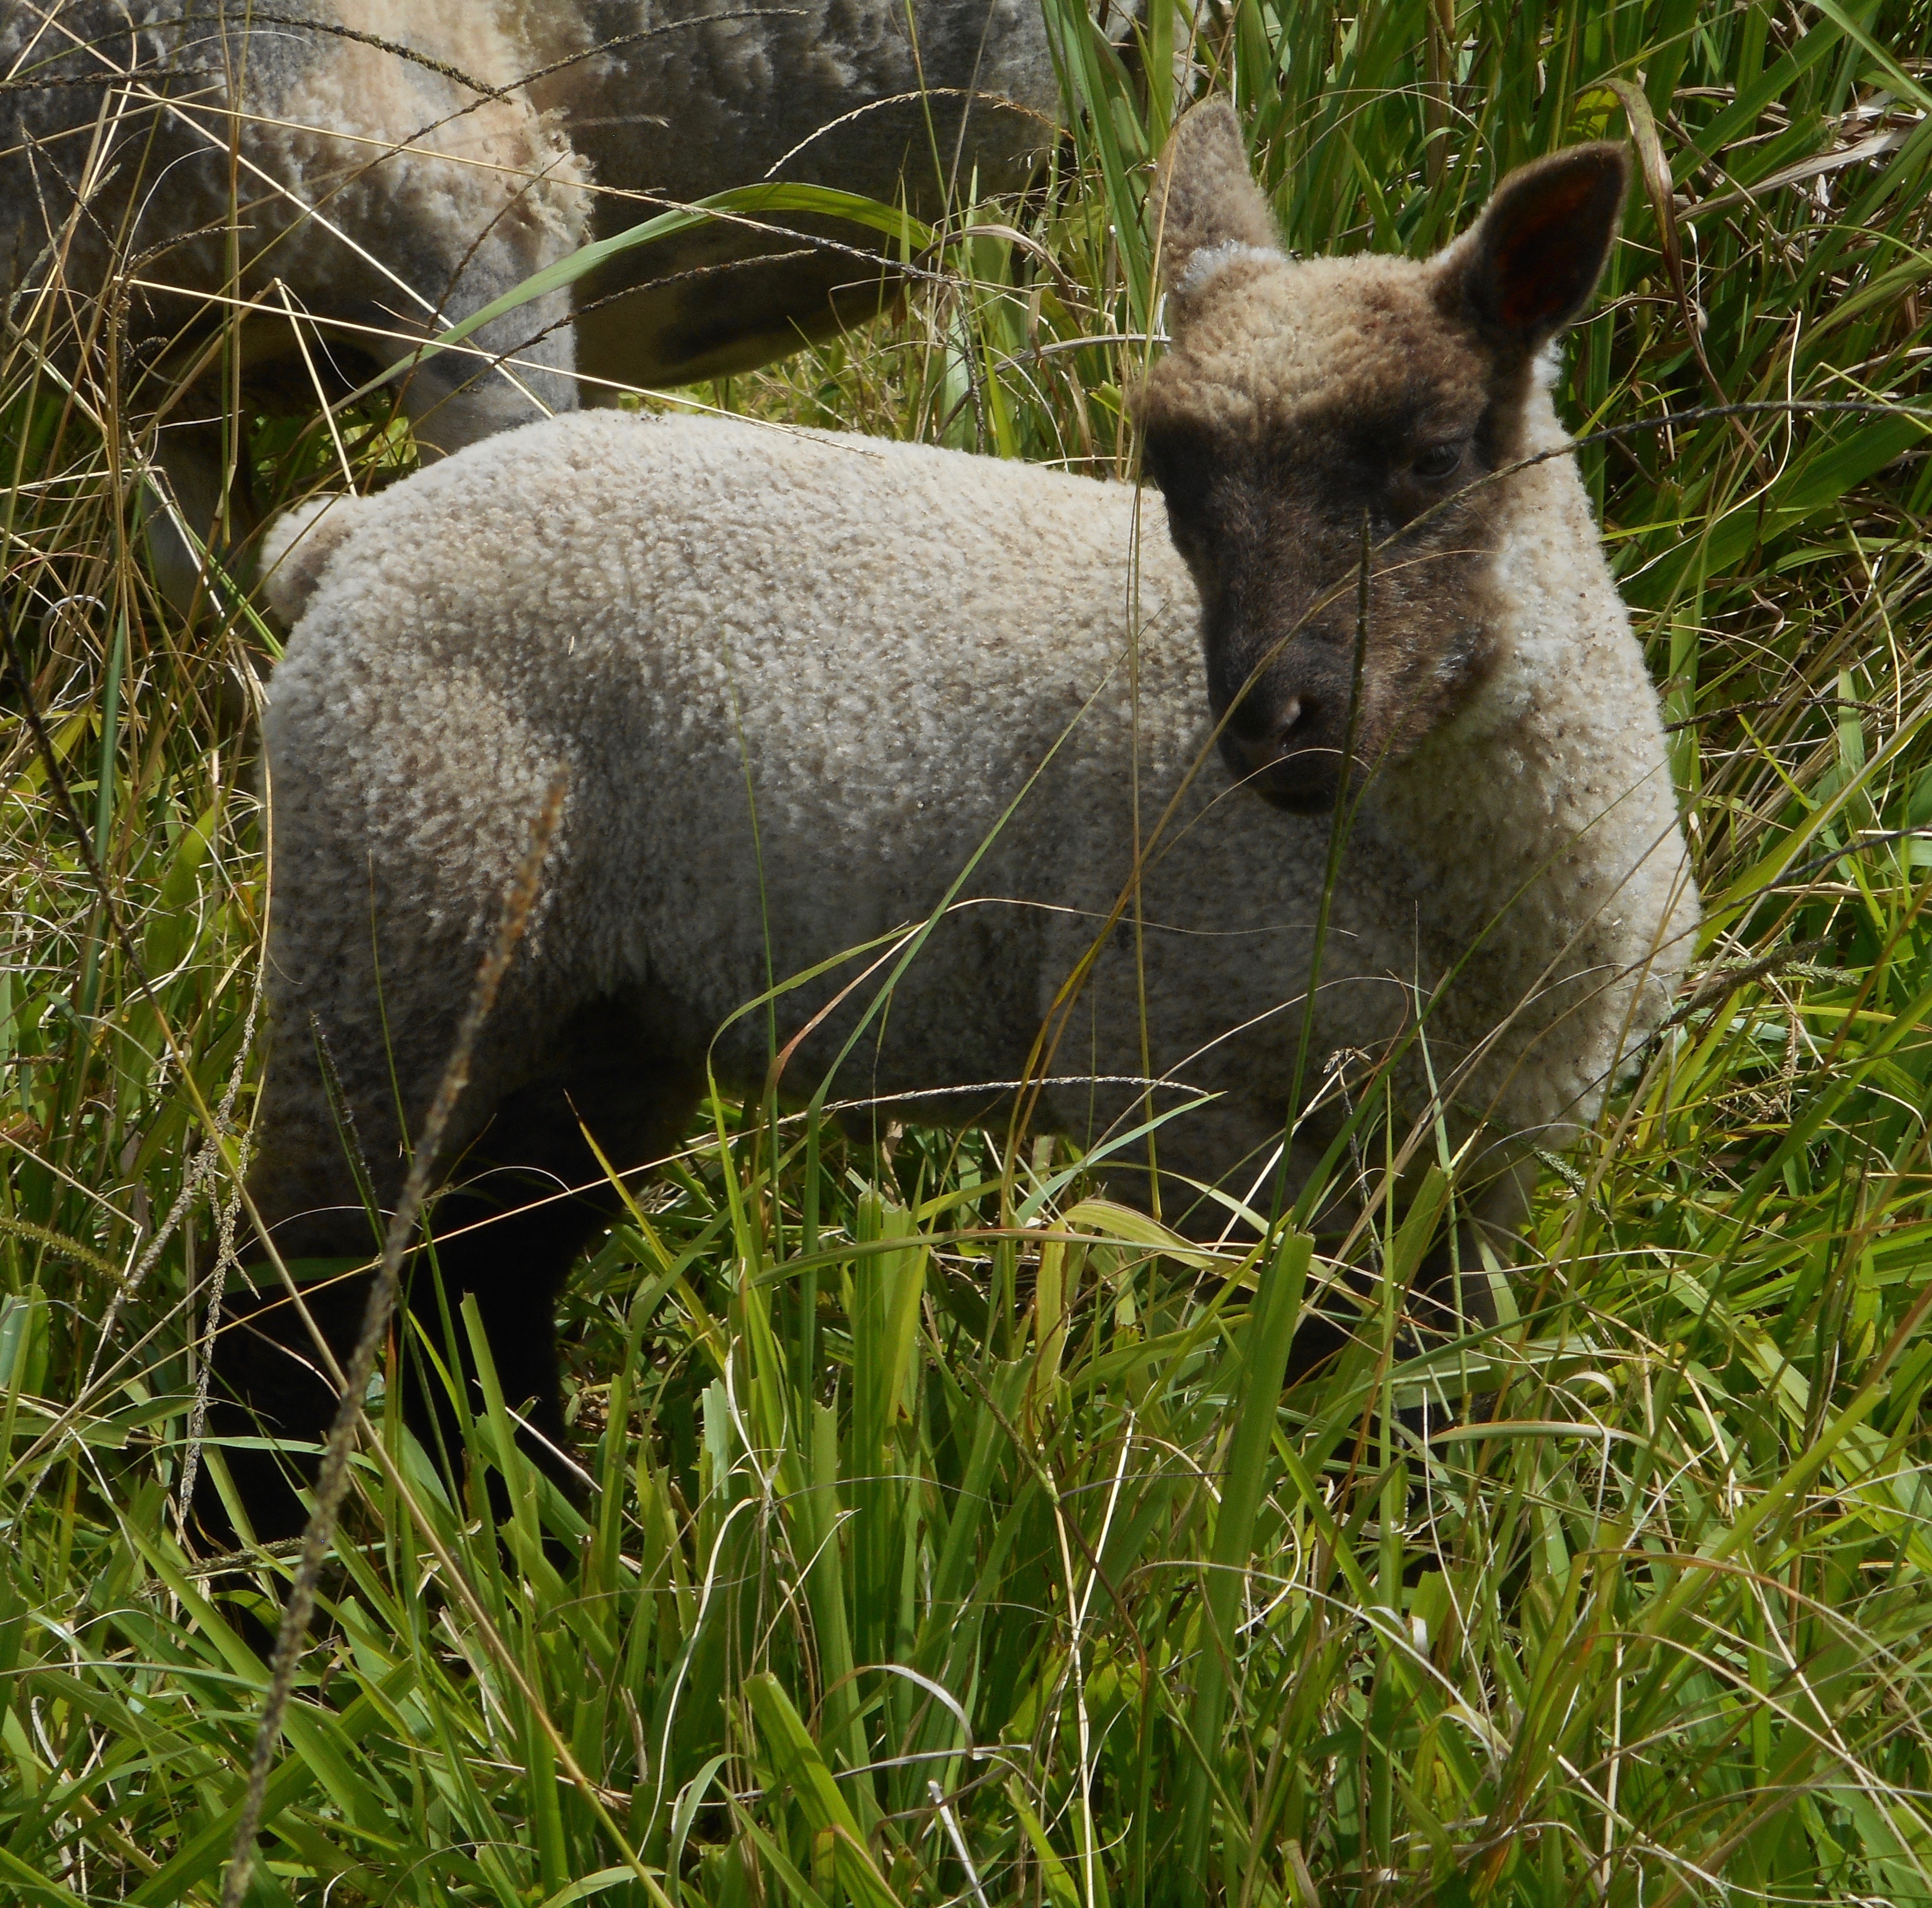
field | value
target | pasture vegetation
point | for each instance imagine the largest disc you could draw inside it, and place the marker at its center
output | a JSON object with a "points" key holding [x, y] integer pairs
{"points": [[952, 1540]]}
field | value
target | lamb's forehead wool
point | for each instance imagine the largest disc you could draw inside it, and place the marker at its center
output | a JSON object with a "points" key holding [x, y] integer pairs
{"points": [[1259, 337]]}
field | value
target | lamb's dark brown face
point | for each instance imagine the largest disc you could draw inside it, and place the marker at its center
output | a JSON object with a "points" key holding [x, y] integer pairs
{"points": [[1271, 509], [1304, 409]]}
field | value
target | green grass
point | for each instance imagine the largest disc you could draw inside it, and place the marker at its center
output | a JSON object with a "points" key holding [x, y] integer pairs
{"points": [[943, 1517]]}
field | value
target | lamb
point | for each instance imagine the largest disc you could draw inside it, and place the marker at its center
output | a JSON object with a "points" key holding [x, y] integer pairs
{"points": [[875, 650], [397, 171]]}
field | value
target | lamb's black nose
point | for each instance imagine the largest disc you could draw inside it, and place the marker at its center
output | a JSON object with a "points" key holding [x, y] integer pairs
{"points": [[1292, 763], [1283, 738]]}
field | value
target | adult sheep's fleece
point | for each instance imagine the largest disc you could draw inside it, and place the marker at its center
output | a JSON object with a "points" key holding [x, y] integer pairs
{"points": [[380, 169], [795, 681]]}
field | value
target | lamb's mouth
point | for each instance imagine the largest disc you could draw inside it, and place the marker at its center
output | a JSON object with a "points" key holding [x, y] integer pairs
{"points": [[1302, 780]]}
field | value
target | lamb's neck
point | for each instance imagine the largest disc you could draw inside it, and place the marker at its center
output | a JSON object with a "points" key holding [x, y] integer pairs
{"points": [[1540, 824]]}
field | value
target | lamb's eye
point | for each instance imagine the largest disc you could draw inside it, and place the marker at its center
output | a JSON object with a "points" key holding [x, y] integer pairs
{"points": [[1438, 461]]}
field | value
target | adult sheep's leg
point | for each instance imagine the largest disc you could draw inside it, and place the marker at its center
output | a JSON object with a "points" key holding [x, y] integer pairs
{"points": [[202, 511]]}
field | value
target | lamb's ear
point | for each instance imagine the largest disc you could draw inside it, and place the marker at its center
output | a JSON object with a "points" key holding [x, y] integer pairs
{"points": [[1529, 265], [1205, 201]]}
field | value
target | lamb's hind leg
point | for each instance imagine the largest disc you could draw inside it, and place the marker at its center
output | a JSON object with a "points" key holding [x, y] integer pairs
{"points": [[532, 1196], [502, 1233]]}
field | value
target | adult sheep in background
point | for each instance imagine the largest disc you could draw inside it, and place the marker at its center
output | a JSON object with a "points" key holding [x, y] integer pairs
{"points": [[399, 164], [876, 650]]}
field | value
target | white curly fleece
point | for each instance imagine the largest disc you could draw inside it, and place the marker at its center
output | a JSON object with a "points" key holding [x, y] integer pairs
{"points": [[795, 680]]}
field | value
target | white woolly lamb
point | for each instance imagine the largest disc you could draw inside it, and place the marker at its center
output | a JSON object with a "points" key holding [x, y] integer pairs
{"points": [[797, 682]]}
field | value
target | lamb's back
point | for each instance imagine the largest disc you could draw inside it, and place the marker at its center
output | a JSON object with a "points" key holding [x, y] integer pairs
{"points": [[866, 619], [794, 679]]}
